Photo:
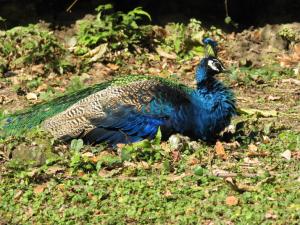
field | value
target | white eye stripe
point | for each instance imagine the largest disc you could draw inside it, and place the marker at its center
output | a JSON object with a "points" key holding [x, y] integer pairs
{"points": [[211, 64]]}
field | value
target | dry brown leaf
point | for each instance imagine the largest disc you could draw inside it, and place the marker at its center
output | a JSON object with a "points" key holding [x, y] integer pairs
{"points": [[239, 187], [39, 188], [232, 200], [54, 169], [220, 151], [165, 146], [297, 49], [291, 81], [251, 161], [223, 173], [257, 154], [31, 96], [61, 187], [38, 68], [296, 155], [42, 87], [87, 154], [270, 215], [289, 60], [112, 66], [167, 193], [176, 156], [120, 145], [18, 195], [165, 54], [252, 147]]}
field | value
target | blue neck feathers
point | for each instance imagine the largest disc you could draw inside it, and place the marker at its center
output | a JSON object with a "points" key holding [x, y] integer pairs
{"points": [[201, 73], [214, 104]]}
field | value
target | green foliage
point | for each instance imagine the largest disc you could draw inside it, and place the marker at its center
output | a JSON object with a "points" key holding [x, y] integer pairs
{"points": [[146, 150], [186, 40], [254, 76], [288, 34], [75, 84], [120, 30], [29, 45]]}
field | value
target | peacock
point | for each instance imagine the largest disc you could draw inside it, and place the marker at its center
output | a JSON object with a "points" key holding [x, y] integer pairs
{"points": [[131, 108]]}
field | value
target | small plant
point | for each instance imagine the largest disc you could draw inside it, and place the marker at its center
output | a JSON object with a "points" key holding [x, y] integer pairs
{"points": [[119, 29], [186, 40], [29, 45], [287, 34], [146, 150]]}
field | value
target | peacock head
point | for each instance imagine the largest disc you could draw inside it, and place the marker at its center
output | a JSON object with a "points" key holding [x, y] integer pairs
{"points": [[208, 67], [210, 47]]}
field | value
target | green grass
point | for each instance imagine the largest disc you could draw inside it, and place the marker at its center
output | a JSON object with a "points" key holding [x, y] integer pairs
{"points": [[92, 185], [43, 181]]}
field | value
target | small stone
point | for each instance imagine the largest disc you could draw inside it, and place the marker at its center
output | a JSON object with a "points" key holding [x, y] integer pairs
{"points": [[31, 96], [287, 154], [72, 42], [273, 98], [175, 142]]}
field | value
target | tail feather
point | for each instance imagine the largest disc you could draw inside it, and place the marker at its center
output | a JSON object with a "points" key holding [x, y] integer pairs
{"points": [[19, 122]]}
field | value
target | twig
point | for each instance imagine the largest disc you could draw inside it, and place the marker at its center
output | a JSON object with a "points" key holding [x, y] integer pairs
{"points": [[226, 8], [71, 6]]}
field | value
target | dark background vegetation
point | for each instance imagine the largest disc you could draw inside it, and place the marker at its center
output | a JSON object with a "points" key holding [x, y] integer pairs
{"points": [[246, 13]]}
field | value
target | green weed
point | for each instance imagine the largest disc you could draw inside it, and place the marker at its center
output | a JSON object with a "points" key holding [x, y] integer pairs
{"points": [[33, 44], [119, 29]]}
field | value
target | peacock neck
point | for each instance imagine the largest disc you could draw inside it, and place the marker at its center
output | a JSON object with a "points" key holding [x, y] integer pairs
{"points": [[201, 74]]}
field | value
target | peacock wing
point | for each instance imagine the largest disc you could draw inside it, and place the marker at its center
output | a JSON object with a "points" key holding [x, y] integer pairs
{"points": [[119, 114]]}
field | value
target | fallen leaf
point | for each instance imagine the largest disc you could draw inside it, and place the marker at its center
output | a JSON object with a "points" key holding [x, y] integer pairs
{"points": [[54, 169], [264, 113], [270, 215], [165, 146], [257, 154], [96, 53], [251, 161], [223, 173], [296, 155], [232, 145], [266, 139], [39, 188], [18, 195], [219, 148], [252, 147], [165, 54], [240, 187], [231, 200], [87, 154], [291, 81], [176, 156], [38, 68], [112, 66], [42, 87], [120, 145], [287, 154], [61, 187], [167, 193], [31, 96]]}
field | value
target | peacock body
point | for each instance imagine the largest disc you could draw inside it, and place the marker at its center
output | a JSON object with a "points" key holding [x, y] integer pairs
{"points": [[131, 108]]}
